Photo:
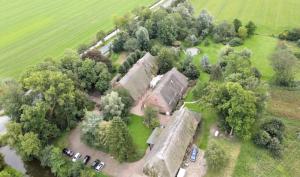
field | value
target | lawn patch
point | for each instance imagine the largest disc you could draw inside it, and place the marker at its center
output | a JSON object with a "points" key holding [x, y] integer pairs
{"points": [[139, 133]]}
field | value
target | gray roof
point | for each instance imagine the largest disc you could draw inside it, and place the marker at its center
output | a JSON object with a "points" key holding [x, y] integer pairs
{"points": [[168, 153], [171, 87], [138, 78], [154, 136]]}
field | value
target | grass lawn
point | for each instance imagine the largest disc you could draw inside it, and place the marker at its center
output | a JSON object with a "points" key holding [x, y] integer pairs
{"points": [[140, 133], [31, 31]]}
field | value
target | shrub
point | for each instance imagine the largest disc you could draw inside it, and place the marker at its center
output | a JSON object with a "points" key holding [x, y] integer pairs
{"points": [[236, 42], [81, 48], [206, 43], [262, 138], [290, 35], [297, 55], [298, 43], [216, 156], [192, 40], [275, 147], [131, 44]]}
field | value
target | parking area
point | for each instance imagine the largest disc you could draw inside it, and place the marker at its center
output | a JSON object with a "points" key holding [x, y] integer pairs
{"points": [[197, 168], [112, 167]]}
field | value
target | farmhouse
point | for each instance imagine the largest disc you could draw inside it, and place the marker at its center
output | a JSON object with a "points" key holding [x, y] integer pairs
{"points": [[168, 152], [167, 92], [138, 78]]}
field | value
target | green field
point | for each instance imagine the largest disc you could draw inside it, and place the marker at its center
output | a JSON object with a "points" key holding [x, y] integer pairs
{"points": [[31, 31], [271, 18]]}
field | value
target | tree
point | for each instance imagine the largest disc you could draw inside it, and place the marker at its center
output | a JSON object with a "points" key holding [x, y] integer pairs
{"points": [[120, 141], [10, 172], [90, 127], [82, 48], [251, 27], [143, 39], [243, 32], [283, 63], [100, 36], [150, 117], [216, 73], [223, 32], [45, 156], [166, 28], [76, 168], [189, 69], [216, 156], [119, 41], [34, 120], [126, 99], [97, 56], [204, 23], [2, 162], [57, 91], [14, 130], [11, 99], [59, 165], [237, 24], [236, 106], [111, 105], [30, 145], [165, 60], [131, 44]]}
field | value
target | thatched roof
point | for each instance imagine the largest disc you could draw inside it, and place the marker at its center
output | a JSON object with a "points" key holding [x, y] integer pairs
{"points": [[168, 91], [138, 78], [168, 152]]}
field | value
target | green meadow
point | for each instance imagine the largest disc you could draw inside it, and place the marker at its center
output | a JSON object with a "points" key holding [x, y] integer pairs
{"points": [[31, 31], [270, 16]]}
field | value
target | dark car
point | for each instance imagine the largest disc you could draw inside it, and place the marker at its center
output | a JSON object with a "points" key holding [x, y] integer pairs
{"points": [[95, 163], [86, 159], [68, 152], [194, 154]]}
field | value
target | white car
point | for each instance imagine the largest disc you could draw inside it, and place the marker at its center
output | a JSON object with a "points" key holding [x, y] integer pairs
{"points": [[76, 157], [100, 166]]}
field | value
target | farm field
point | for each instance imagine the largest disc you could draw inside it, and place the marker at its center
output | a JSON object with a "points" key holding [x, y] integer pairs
{"points": [[31, 31]]}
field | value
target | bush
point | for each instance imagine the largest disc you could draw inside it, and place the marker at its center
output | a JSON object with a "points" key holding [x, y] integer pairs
{"points": [[236, 42], [270, 136], [298, 43], [192, 40], [216, 156], [297, 55], [206, 43], [82, 48], [290, 35], [262, 138], [205, 64]]}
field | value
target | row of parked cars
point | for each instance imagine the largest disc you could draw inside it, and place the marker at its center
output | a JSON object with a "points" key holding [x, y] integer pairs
{"points": [[97, 164]]}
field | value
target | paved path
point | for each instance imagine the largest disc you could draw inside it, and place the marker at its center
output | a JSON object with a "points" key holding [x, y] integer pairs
{"points": [[112, 166]]}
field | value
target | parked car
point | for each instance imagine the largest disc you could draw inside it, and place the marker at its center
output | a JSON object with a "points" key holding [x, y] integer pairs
{"points": [[76, 157], [194, 154], [95, 163], [68, 152], [100, 166], [86, 159]]}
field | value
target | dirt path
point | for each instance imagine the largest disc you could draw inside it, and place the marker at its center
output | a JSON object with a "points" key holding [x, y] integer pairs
{"points": [[112, 166]]}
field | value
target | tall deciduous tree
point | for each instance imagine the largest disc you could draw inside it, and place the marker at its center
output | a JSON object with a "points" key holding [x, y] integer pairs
{"points": [[111, 105], [204, 23], [30, 145], [236, 105]]}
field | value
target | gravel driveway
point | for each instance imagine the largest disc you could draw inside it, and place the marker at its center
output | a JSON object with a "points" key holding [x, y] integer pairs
{"points": [[112, 167]]}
